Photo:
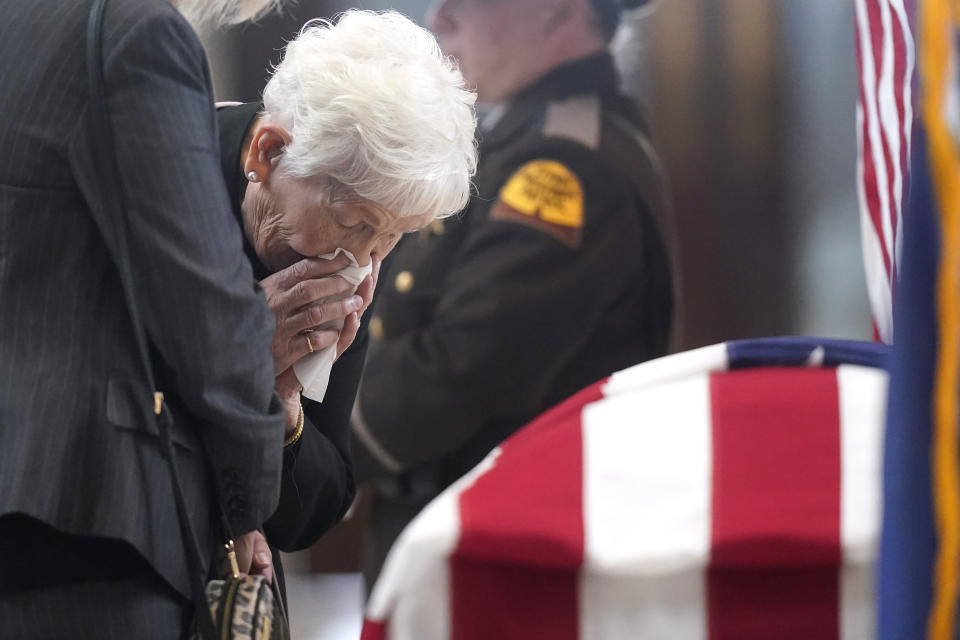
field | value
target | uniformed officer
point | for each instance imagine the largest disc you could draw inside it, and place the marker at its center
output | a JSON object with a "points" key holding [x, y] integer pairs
{"points": [[554, 276]]}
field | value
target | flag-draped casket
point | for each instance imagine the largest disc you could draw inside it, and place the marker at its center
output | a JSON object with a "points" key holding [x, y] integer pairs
{"points": [[732, 491]]}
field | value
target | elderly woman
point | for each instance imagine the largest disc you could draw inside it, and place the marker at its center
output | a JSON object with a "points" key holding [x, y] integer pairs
{"points": [[365, 133], [88, 530]]}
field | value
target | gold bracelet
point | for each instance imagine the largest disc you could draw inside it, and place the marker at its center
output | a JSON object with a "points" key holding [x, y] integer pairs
{"points": [[292, 440]]}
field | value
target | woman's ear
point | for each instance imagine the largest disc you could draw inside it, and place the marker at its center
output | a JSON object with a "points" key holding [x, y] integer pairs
{"points": [[266, 144]]}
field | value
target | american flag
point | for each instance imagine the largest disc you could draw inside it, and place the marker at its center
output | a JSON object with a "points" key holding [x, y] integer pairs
{"points": [[732, 491], [885, 52]]}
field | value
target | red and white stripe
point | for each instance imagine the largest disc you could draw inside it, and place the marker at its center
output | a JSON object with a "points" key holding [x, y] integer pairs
{"points": [[670, 501], [884, 119]]}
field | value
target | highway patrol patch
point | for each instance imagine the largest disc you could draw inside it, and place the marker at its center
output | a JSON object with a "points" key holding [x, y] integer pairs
{"points": [[544, 194]]}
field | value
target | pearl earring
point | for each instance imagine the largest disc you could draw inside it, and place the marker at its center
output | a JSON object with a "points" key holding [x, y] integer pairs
{"points": [[253, 177]]}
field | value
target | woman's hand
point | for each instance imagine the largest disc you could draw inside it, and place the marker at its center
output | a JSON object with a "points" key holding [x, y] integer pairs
{"points": [[303, 296], [253, 556], [262, 561]]}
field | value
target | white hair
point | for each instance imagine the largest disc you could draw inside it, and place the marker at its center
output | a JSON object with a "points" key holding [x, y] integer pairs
{"points": [[375, 110], [220, 13]]}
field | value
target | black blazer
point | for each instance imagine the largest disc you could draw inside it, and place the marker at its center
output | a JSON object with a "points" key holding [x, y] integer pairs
{"points": [[78, 446]]}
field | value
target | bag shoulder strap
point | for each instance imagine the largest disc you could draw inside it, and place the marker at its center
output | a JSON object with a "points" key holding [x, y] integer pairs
{"points": [[114, 226]]}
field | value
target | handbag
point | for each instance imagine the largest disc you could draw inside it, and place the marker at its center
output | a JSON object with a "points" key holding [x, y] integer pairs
{"points": [[239, 607]]}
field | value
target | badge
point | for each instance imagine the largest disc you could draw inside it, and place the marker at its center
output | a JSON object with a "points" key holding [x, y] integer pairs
{"points": [[547, 195]]}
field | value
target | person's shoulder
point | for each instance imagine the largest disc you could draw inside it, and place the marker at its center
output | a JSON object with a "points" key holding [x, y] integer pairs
{"points": [[567, 139], [573, 130], [577, 119], [590, 121], [146, 24], [147, 9], [555, 177], [541, 181], [566, 130]]}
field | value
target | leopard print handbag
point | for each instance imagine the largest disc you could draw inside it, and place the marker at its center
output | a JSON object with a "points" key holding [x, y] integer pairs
{"points": [[246, 608]]}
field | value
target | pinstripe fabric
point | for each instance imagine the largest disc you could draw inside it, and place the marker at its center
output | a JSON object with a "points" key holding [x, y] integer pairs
{"points": [[144, 608], [78, 446]]}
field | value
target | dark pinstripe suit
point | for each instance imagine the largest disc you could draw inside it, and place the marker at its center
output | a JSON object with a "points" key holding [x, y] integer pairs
{"points": [[78, 446]]}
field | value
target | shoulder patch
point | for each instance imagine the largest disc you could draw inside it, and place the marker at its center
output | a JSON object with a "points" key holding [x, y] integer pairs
{"points": [[544, 194]]}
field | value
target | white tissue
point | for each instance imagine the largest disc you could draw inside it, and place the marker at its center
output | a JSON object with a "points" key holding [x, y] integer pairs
{"points": [[313, 370]]}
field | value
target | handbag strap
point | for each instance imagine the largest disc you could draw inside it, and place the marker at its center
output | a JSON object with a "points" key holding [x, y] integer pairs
{"points": [[114, 227]]}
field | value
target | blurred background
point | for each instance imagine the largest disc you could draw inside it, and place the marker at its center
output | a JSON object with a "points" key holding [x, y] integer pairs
{"points": [[752, 103]]}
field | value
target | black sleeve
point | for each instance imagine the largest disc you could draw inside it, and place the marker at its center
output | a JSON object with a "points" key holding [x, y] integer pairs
{"points": [[318, 471], [317, 487]]}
